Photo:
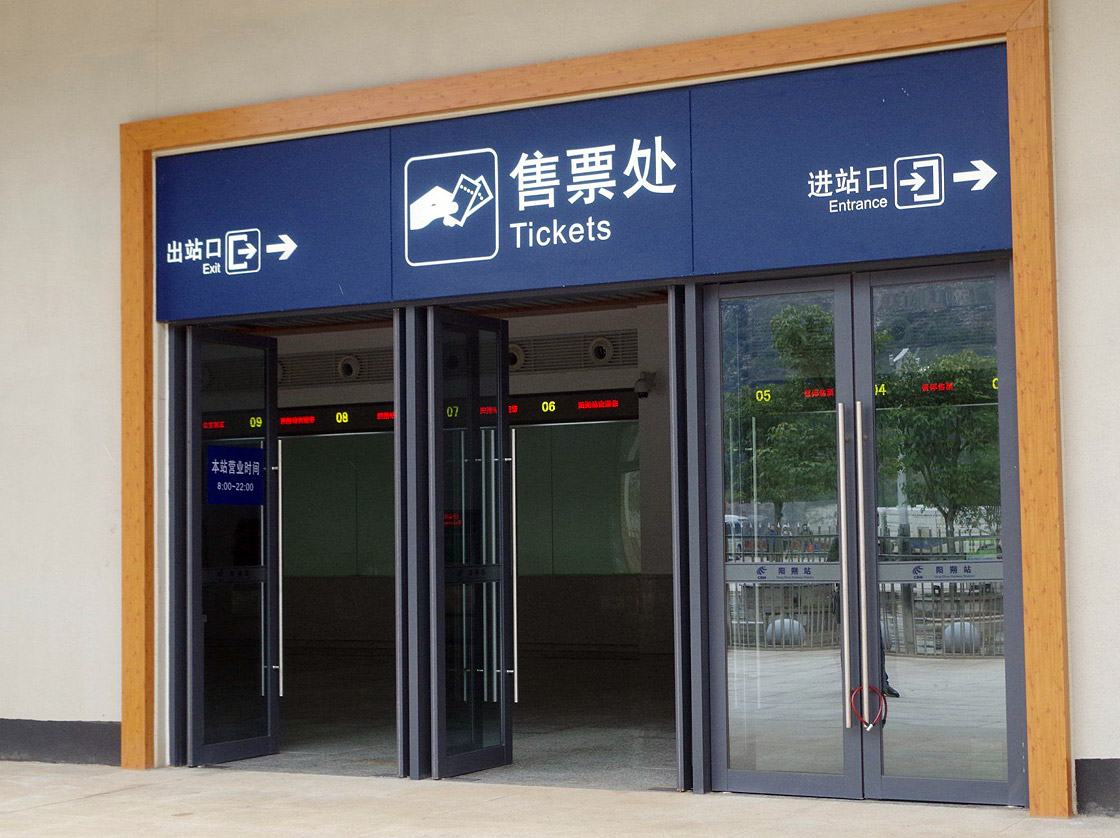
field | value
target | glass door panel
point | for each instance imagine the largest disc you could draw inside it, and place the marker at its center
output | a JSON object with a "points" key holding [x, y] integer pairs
{"points": [[473, 612], [938, 536], [233, 608], [784, 608], [863, 537]]}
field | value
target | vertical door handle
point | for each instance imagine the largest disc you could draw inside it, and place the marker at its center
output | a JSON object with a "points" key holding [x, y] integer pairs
{"points": [[512, 460], [280, 558], [865, 680], [845, 620]]}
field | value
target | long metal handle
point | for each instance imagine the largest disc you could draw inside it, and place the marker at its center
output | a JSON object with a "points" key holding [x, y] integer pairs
{"points": [[845, 620], [513, 540], [864, 629], [280, 554]]}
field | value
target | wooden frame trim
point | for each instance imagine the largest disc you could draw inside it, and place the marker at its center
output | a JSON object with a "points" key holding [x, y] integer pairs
{"points": [[1023, 24]]}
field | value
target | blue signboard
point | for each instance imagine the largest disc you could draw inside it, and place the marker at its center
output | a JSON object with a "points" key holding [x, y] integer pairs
{"points": [[882, 160], [563, 195], [903, 157], [234, 475], [273, 227]]}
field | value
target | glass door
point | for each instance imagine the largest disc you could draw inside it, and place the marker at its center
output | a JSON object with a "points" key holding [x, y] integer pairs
{"points": [[472, 585], [233, 607], [865, 616], [781, 580], [942, 632]]}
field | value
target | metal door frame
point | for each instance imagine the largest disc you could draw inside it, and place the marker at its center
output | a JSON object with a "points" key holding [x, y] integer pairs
{"points": [[444, 764], [199, 753], [1012, 792], [849, 783], [853, 341]]}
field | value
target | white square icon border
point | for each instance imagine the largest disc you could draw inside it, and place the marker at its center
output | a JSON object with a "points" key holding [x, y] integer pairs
{"points": [[497, 225], [226, 260], [940, 181]]}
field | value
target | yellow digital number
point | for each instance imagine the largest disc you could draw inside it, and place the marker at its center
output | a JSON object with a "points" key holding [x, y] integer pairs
{"points": [[762, 395], [452, 411], [342, 417], [256, 421], [995, 383], [548, 407], [880, 389]]}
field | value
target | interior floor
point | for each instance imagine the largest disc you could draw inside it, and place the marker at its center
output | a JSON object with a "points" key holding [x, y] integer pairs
{"points": [[581, 722], [339, 716], [592, 723]]}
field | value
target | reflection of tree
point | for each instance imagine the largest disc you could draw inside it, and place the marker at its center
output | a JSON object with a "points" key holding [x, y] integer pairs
{"points": [[945, 441], [795, 458]]}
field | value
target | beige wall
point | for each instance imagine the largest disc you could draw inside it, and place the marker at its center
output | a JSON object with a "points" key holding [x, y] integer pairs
{"points": [[71, 71], [1086, 126]]}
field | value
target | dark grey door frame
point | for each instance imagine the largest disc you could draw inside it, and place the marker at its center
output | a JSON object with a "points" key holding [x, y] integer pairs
{"points": [[1014, 791], [410, 396], [854, 382], [688, 431], [849, 783], [443, 763], [198, 752]]}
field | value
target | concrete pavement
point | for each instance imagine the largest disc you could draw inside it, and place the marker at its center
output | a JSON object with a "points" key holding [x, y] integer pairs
{"points": [[79, 800]]}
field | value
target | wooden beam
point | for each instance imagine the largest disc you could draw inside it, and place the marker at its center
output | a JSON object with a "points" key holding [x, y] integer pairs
{"points": [[137, 462], [1040, 441]]}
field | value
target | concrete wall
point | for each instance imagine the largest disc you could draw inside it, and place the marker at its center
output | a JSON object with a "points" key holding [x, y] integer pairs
{"points": [[71, 71]]}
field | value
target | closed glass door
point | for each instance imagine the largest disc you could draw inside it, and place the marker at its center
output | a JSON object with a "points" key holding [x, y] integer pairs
{"points": [[867, 552], [940, 534], [233, 607], [472, 677], [783, 608]]}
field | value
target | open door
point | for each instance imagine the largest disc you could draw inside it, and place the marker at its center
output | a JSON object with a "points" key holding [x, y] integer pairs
{"points": [[233, 579], [472, 581]]}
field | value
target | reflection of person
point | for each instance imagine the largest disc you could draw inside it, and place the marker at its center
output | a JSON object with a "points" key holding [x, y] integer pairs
{"points": [[886, 682], [882, 545]]}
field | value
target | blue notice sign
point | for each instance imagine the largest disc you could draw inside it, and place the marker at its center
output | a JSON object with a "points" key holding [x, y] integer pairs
{"points": [[548, 197], [234, 475], [273, 227], [888, 159]]}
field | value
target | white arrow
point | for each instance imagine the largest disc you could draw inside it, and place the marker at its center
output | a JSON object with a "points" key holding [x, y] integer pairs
{"points": [[915, 182], [248, 250], [982, 174], [285, 247]]}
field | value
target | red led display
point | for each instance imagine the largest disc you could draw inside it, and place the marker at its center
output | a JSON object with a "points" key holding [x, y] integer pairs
{"points": [[823, 392], [297, 420], [215, 425], [598, 404], [937, 386], [490, 410], [452, 519], [386, 414]]}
